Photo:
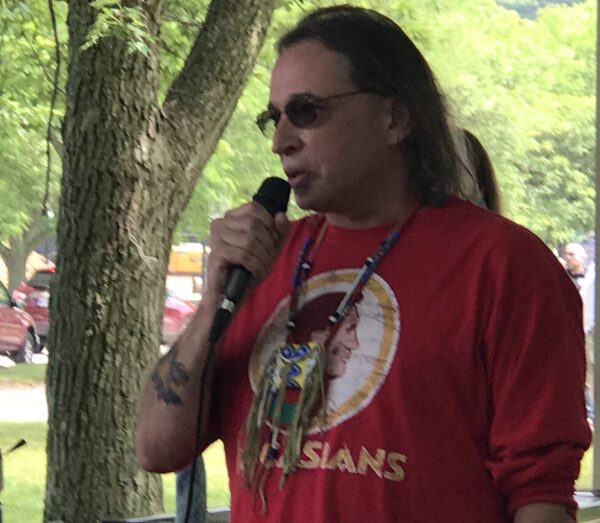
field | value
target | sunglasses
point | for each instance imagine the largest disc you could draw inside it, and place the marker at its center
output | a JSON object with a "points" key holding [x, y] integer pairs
{"points": [[302, 110]]}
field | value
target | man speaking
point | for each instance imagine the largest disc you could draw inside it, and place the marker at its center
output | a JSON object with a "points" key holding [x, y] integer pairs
{"points": [[462, 393]]}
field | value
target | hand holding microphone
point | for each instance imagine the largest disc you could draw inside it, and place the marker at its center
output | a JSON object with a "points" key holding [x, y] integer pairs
{"points": [[244, 244]]}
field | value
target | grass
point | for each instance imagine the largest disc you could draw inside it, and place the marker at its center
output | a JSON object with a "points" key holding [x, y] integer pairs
{"points": [[23, 375], [25, 470], [25, 474]]}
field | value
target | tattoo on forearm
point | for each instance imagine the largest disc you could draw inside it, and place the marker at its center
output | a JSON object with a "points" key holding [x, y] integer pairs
{"points": [[169, 372]]}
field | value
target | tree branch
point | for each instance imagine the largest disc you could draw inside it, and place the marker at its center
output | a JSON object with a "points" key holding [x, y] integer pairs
{"points": [[43, 68], [168, 49], [202, 98], [36, 233], [56, 142], [4, 251], [41, 236]]}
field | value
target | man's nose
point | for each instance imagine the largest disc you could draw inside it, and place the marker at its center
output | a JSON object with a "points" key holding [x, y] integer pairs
{"points": [[286, 140]]}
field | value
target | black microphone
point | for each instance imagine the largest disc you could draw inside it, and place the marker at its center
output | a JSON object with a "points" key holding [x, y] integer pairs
{"points": [[273, 195]]}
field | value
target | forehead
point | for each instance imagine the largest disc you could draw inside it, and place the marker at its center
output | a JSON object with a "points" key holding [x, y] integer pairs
{"points": [[309, 67]]}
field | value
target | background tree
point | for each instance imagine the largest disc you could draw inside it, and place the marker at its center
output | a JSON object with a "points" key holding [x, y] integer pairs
{"points": [[558, 164], [25, 91], [526, 88], [130, 165]]}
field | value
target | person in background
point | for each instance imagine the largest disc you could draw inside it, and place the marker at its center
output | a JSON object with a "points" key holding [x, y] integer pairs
{"points": [[574, 256], [480, 166], [583, 275], [465, 401], [198, 501]]}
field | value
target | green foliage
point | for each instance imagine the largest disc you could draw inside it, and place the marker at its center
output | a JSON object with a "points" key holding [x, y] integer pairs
{"points": [[525, 87], [559, 175], [116, 20], [25, 92], [182, 20], [558, 164], [22, 374], [24, 471]]}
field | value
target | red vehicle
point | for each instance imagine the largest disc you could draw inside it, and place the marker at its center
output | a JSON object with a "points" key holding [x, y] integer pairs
{"points": [[18, 337], [35, 295], [177, 314]]}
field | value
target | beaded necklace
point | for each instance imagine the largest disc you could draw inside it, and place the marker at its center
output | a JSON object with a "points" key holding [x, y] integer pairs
{"points": [[297, 370]]}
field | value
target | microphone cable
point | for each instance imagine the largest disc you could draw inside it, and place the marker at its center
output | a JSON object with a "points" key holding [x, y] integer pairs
{"points": [[188, 506], [273, 196]]}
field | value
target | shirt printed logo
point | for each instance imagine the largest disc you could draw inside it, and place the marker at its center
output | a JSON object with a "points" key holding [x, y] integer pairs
{"points": [[358, 358]]}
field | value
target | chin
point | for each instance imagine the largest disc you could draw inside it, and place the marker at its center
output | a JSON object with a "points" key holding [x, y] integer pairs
{"points": [[335, 372], [305, 202], [308, 202]]}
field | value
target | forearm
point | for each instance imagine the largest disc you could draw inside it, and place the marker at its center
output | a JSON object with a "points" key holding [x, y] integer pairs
{"points": [[166, 431], [543, 513], [166, 428]]}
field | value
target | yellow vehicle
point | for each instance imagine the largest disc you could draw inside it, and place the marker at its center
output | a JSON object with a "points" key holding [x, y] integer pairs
{"points": [[187, 259], [186, 271]]}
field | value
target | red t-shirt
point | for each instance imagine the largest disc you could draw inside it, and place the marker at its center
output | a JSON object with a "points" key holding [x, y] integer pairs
{"points": [[457, 396]]}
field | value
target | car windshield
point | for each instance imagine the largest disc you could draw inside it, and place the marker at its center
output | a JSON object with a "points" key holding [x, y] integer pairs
{"points": [[41, 280]]}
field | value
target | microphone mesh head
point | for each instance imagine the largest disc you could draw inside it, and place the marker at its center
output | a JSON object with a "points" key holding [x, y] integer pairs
{"points": [[273, 195]]}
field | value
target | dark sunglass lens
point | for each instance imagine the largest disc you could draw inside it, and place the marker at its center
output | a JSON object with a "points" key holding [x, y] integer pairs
{"points": [[301, 112]]}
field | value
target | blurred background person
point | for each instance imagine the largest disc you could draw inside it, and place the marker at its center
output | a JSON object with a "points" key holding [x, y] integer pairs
{"points": [[480, 168], [583, 274], [574, 256]]}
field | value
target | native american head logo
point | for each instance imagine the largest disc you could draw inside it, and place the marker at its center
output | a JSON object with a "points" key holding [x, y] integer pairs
{"points": [[358, 357]]}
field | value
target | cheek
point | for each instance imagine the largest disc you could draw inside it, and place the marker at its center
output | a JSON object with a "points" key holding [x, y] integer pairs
{"points": [[335, 156], [328, 148]]}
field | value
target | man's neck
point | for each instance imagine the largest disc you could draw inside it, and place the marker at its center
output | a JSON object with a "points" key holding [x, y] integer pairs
{"points": [[394, 206]]}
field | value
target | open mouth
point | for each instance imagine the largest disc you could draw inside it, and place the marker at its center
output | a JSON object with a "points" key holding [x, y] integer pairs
{"points": [[297, 178]]}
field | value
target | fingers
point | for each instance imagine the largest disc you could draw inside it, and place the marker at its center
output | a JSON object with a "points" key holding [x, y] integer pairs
{"points": [[250, 227], [248, 236]]}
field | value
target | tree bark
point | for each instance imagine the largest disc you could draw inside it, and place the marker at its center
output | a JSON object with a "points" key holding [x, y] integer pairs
{"points": [[129, 168]]}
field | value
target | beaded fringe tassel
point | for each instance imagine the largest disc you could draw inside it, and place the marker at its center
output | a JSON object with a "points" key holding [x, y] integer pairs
{"points": [[268, 403]]}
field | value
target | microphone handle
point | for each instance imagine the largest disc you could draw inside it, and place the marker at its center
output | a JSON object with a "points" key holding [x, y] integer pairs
{"points": [[237, 281], [273, 196], [235, 286]]}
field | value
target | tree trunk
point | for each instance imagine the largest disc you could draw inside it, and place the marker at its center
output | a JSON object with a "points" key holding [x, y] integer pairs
{"points": [[129, 169]]}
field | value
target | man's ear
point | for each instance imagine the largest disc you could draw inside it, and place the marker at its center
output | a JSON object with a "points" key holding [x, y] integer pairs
{"points": [[400, 122]]}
